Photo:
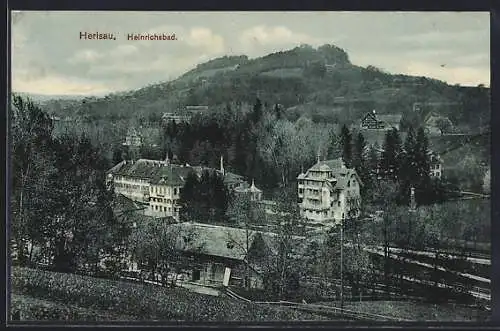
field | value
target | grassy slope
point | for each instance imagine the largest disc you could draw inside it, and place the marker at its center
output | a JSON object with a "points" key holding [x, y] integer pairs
{"points": [[416, 311], [138, 301], [35, 309]]}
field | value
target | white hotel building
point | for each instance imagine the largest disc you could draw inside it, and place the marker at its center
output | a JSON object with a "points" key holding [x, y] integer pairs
{"points": [[157, 184], [328, 192]]}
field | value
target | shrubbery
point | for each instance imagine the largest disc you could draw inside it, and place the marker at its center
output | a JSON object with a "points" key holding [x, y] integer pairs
{"points": [[144, 301]]}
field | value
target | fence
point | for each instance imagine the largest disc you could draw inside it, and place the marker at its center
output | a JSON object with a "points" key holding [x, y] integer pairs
{"points": [[320, 309]]}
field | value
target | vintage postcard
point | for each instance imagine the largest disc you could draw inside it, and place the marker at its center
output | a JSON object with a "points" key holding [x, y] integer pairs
{"points": [[249, 166]]}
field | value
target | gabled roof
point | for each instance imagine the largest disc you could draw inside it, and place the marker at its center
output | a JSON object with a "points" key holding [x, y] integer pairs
{"points": [[328, 165], [159, 172], [245, 187], [391, 119], [126, 204], [341, 174], [220, 241], [433, 118], [223, 241]]}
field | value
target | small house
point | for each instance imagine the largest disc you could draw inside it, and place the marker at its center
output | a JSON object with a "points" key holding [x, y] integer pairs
{"points": [[437, 124], [383, 122], [225, 256]]}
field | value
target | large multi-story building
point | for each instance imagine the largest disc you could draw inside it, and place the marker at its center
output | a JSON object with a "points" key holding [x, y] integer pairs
{"points": [[329, 192], [157, 184]]}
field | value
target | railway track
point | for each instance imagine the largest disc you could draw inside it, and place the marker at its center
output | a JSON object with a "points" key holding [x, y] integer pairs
{"points": [[477, 258], [478, 292]]}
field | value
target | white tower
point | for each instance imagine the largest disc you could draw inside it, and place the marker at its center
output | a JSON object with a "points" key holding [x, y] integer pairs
{"points": [[222, 165], [413, 203]]}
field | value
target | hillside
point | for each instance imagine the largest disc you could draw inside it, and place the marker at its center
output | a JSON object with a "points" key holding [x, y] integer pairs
{"points": [[323, 79]]}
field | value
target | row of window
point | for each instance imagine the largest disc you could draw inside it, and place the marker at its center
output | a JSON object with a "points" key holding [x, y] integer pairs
{"points": [[139, 181], [310, 182], [162, 200], [309, 212], [136, 187], [164, 209], [321, 174], [165, 190]]}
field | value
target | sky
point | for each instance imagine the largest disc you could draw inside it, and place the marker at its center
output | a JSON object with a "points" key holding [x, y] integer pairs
{"points": [[48, 56]]}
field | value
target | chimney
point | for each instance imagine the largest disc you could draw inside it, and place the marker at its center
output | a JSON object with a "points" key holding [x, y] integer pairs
{"points": [[319, 155], [167, 161]]}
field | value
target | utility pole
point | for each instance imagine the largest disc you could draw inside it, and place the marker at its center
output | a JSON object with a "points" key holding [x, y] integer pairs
{"points": [[342, 266], [412, 210]]}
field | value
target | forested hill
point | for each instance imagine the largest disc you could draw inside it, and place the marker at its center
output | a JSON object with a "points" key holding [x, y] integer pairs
{"points": [[321, 83]]}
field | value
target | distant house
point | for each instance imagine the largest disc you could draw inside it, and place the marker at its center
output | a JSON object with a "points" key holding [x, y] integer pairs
{"points": [[172, 117], [437, 124], [196, 108], [133, 138], [384, 122], [436, 165], [252, 191], [225, 256]]}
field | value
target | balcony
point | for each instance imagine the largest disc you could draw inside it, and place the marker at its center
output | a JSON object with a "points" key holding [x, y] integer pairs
{"points": [[318, 207]]}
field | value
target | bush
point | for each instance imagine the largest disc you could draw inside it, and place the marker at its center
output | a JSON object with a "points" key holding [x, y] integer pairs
{"points": [[144, 301]]}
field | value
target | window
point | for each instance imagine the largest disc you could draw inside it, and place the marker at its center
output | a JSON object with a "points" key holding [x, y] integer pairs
{"points": [[348, 183], [175, 190], [338, 203]]}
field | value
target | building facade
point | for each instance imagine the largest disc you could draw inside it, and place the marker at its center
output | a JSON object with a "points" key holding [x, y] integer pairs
{"points": [[329, 192], [172, 117], [436, 165], [374, 121], [133, 138], [254, 193], [158, 184], [437, 124]]}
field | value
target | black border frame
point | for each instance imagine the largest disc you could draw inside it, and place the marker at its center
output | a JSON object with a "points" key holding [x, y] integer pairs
{"points": [[291, 5]]}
